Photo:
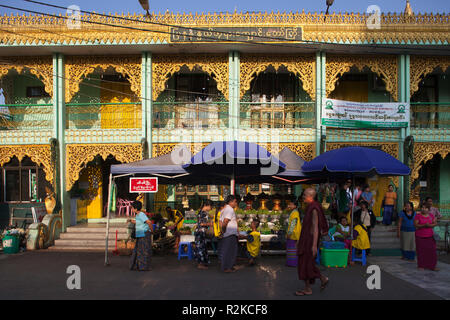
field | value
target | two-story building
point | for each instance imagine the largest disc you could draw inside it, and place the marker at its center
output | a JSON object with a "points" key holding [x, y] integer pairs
{"points": [[79, 97]]}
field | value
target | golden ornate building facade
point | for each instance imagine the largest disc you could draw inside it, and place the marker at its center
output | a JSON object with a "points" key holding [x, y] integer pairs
{"points": [[120, 88]]}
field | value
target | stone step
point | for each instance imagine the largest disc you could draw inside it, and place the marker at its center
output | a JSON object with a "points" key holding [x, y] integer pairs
{"points": [[83, 242], [80, 248], [385, 246], [93, 236], [112, 229]]}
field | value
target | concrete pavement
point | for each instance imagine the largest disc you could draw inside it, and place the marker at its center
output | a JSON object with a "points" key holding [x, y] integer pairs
{"points": [[42, 275]]}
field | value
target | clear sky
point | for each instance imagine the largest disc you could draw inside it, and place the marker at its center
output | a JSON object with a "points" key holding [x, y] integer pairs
{"points": [[131, 6]]}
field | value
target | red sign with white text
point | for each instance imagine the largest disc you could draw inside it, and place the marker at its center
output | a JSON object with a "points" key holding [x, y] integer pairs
{"points": [[143, 185]]}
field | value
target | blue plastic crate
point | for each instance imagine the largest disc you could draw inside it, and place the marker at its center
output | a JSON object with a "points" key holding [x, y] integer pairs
{"points": [[333, 245]]}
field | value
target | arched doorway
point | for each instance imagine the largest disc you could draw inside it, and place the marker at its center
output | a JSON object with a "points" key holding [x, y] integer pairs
{"points": [[276, 99], [90, 191], [191, 99], [434, 181], [104, 101], [24, 102]]}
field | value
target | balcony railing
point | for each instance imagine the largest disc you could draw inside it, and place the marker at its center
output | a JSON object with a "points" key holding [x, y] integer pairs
{"points": [[125, 115], [277, 114], [26, 116], [430, 115], [170, 115]]}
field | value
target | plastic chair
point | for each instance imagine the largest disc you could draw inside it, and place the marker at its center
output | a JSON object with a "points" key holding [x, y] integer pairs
{"points": [[181, 252], [363, 259], [121, 206]]}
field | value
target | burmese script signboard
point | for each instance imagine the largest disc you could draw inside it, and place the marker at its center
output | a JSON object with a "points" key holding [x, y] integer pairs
{"points": [[226, 34], [348, 114], [143, 185]]}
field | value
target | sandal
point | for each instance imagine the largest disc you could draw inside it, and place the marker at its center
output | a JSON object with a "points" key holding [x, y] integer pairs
{"points": [[302, 293], [324, 285]]}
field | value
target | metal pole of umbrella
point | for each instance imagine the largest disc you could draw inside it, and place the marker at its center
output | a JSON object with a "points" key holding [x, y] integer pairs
{"points": [[353, 202], [107, 220]]}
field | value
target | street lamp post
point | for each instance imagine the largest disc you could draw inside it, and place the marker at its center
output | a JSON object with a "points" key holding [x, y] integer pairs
{"points": [[329, 4], [145, 6]]}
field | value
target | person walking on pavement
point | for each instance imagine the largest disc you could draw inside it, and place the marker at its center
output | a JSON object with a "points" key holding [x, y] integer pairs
{"points": [[140, 259], [314, 226]]}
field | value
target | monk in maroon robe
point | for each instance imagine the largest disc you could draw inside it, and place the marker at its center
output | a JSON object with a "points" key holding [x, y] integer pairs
{"points": [[314, 226]]}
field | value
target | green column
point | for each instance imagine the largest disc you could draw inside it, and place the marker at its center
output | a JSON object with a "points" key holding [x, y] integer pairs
{"points": [[147, 109], [403, 94], [59, 133], [233, 95], [320, 95], [146, 98]]}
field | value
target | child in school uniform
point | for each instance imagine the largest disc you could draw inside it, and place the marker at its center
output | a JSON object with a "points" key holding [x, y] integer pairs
{"points": [[253, 243]]}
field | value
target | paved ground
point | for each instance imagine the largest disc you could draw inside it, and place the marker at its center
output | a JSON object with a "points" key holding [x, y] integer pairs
{"points": [[43, 275], [435, 282]]}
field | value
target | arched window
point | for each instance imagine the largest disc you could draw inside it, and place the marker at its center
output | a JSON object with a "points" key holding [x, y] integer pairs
{"points": [[23, 181]]}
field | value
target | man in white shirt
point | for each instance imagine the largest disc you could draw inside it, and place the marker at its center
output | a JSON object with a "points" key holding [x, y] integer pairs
{"points": [[229, 242]]}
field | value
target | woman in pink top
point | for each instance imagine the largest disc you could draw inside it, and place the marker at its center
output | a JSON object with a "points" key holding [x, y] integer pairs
{"points": [[425, 243]]}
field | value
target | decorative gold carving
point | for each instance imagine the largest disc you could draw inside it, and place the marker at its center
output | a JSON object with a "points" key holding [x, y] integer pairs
{"points": [[305, 150], [303, 66], [164, 66], [382, 65], [40, 154], [342, 27], [424, 152], [41, 67], [160, 149], [420, 66], [390, 148], [78, 67], [78, 155]]}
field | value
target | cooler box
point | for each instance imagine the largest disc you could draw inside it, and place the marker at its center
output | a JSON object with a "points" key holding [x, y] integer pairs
{"points": [[334, 257], [333, 244], [10, 244]]}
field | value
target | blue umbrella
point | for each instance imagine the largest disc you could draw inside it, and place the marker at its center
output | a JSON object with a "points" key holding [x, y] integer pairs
{"points": [[234, 159], [356, 161]]}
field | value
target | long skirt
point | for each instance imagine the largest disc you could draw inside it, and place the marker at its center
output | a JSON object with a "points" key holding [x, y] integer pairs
{"points": [[291, 253], [307, 268], [387, 215], [142, 253], [408, 244], [426, 253], [228, 252], [200, 252]]}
